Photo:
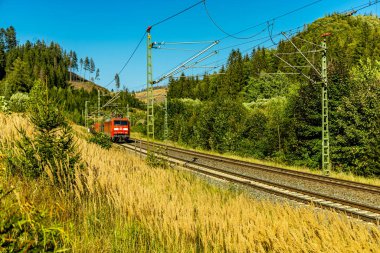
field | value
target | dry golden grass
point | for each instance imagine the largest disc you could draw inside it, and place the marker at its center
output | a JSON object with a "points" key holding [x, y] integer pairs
{"points": [[159, 95], [123, 205], [87, 86]]}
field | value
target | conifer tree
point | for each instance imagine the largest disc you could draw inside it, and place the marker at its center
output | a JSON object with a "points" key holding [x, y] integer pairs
{"points": [[117, 81], [18, 78], [73, 63], [81, 66], [97, 74], [10, 37], [2, 53], [92, 66], [53, 145], [86, 66]]}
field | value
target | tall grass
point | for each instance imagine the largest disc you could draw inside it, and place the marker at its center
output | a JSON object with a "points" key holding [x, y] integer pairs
{"points": [[119, 204]]}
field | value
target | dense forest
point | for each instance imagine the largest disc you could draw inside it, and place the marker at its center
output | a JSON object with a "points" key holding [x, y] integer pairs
{"points": [[274, 116], [21, 66]]}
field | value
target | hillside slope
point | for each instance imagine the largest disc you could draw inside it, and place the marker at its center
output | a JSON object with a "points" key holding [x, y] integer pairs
{"points": [[281, 116]]}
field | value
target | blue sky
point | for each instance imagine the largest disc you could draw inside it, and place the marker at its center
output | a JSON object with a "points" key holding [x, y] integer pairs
{"points": [[108, 31]]}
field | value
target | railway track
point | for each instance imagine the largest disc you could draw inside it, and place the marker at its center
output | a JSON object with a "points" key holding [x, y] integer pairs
{"points": [[298, 174], [358, 210]]}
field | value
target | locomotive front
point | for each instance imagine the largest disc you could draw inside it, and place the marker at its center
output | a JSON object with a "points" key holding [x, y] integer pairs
{"points": [[120, 130]]}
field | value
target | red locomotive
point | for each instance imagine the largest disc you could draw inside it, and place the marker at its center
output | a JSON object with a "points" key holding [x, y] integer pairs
{"points": [[118, 129]]}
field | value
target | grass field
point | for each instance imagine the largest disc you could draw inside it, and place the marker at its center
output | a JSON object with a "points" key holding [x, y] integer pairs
{"points": [[119, 204]]}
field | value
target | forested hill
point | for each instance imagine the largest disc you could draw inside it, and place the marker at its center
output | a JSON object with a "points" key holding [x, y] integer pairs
{"points": [[22, 65], [352, 38], [278, 116]]}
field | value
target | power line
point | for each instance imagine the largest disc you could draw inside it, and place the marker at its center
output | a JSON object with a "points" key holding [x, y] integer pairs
{"points": [[178, 13], [129, 59], [254, 26], [269, 23], [142, 38], [293, 30]]}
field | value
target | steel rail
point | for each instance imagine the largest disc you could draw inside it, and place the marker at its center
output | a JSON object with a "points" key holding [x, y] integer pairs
{"points": [[350, 208], [287, 172]]}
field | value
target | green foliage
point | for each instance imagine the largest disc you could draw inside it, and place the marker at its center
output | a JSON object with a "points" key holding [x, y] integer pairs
{"points": [[19, 102], [153, 159], [101, 139], [358, 124], [18, 78], [117, 81], [23, 228], [266, 86], [33, 61], [4, 105], [53, 145]]}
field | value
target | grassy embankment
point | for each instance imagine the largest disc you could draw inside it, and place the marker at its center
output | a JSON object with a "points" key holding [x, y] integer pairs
{"points": [[122, 205], [334, 174]]}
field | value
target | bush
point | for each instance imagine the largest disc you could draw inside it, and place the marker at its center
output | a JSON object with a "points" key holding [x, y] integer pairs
{"points": [[19, 102], [4, 107], [156, 159], [101, 139]]}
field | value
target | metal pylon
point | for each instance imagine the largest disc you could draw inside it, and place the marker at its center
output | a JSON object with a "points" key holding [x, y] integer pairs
{"points": [[325, 115], [166, 130], [149, 89]]}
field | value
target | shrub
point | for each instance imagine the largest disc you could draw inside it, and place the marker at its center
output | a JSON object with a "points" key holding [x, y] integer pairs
{"points": [[156, 159], [4, 107], [19, 102], [101, 139]]}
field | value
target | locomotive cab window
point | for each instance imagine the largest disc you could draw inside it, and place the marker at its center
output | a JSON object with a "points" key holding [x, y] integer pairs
{"points": [[121, 123]]}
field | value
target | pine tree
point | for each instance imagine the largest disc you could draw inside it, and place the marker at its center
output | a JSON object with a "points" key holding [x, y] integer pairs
{"points": [[10, 37], [2, 53], [86, 66], [81, 66], [97, 74], [117, 81], [53, 145], [92, 66], [73, 62], [18, 78]]}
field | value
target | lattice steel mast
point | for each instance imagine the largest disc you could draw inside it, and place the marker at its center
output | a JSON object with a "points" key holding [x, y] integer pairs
{"points": [[325, 114], [149, 88], [325, 111]]}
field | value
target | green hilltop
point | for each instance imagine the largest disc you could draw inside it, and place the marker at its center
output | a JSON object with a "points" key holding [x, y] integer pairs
{"points": [[247, 111]]}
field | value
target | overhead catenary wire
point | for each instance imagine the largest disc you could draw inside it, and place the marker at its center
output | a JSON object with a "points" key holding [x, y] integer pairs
{"points": [[175, 49], [296, 30], [129, 59], [176, 14], [184, 42], [182, 65], [139, 43], [142, 38], [229, 35], [254, 26]]}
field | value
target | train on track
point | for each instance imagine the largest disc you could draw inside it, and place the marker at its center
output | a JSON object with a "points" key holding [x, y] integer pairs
{"points": [[118, 129]]}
